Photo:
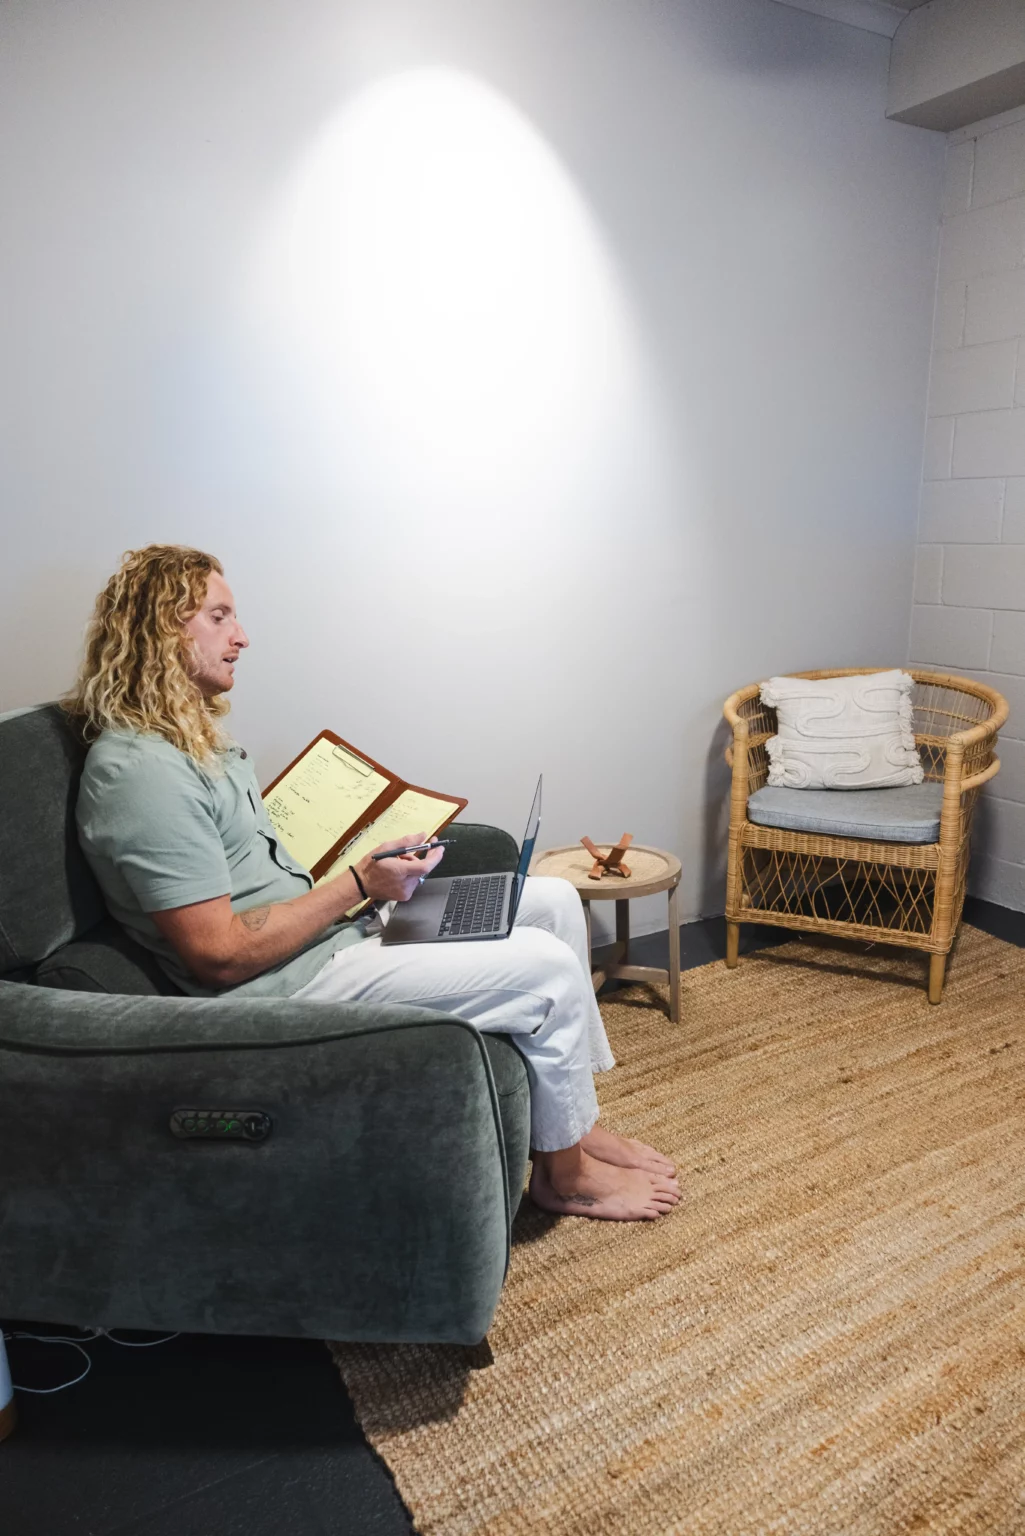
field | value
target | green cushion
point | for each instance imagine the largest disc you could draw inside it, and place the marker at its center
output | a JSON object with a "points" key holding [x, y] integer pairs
{"points": [[477, 849], [105, 960]]}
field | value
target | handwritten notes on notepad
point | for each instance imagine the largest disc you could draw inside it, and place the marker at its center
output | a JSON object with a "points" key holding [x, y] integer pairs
{"points": [[411, 812], [332, 805], [320, 797]]}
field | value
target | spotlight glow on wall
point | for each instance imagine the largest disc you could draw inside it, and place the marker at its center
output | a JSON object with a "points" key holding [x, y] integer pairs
{"points": [[438, 296]]}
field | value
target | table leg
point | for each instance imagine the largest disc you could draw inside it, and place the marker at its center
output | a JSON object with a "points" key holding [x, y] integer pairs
{"points": [[597, 980], [674, 958], [623, 931]]}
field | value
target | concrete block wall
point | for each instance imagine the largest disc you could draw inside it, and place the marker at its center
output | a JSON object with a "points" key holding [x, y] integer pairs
{"points": [[969, 604]]}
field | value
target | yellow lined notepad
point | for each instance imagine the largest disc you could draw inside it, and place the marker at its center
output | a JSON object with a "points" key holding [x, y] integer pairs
{"points": [[332, 805], [411, 812]]}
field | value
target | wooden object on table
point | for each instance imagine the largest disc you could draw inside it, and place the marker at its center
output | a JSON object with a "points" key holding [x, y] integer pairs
{"points": [[892, 893], [610, 863], [651, 870]]}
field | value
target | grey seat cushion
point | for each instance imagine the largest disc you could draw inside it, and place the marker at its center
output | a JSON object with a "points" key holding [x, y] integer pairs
{"points": [[908, 814]]}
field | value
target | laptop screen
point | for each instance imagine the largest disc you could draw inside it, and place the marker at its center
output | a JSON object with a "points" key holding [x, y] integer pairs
{"points": [[526, 850]]}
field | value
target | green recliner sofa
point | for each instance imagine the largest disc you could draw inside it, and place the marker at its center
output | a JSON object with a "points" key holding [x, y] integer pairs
{"points": [[362, 1163]]}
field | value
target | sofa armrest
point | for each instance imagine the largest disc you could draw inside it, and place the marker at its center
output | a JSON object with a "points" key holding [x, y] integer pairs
{"points": [[376, 1209], [57, 1022]]}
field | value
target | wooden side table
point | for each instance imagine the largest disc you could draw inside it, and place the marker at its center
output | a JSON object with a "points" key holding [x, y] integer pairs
{"points": [[651, 870]]}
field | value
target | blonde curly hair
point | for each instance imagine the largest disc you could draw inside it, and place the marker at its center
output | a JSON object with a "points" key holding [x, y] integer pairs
{"points": [[136, 672]]}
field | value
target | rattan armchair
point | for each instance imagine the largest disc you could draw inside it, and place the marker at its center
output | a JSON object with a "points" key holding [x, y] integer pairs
{"points": [[909, 894]]}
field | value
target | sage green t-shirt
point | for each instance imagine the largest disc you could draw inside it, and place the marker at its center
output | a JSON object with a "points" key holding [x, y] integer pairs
{"points": [[160, 832]]}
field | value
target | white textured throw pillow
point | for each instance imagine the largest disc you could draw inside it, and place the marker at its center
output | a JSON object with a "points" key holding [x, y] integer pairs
{"points": [[842, 732]]}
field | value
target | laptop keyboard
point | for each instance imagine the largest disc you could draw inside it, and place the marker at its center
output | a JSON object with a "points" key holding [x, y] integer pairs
{"points": [[474, 905]]}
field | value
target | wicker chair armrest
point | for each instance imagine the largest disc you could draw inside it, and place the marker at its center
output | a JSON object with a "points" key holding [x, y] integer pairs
{"points": [[731, 709], [736, 756], [986, 729], [978, 779], [953, 780], [969, 755], [752, 723], [738, 723]]}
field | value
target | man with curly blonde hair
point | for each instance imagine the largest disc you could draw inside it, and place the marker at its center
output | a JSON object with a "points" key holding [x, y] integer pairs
{"points": [[171, 820]]}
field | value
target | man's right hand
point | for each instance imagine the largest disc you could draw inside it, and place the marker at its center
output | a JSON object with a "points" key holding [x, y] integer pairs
{"points": [[396, 879]]}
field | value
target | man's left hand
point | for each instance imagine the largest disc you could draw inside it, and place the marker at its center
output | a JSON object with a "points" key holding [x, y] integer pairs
{"points": [[396, 879]]}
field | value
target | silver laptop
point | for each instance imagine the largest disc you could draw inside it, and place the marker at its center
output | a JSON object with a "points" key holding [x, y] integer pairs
{"points": [[451, 909]]}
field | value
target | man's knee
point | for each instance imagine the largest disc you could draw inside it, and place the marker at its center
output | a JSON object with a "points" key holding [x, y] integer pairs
{"points": [[542, 956], [557, 897]]}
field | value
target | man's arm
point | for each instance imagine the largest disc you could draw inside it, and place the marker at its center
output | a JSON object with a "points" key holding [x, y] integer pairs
{"points": [[222, 948]]}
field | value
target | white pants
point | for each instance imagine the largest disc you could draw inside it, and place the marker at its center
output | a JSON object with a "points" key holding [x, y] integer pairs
{"points": [[536, 985]]}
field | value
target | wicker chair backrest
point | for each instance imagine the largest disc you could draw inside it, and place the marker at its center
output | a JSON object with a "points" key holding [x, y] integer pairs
{"points": [[944, 705]]}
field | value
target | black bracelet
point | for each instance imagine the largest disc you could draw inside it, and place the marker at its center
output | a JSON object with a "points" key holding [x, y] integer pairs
{"points": [[359, 883]]}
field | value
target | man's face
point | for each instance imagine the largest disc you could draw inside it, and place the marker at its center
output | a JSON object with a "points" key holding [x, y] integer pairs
{"points": [[217, 638]]}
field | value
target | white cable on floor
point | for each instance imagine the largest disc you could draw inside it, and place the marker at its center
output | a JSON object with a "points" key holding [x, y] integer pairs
{"points": [[139, 1343], [46, 1338], [90, 1335]]}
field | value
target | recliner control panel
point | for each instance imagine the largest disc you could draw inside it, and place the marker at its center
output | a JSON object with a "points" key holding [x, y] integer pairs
{"points": [[251, 1125]]}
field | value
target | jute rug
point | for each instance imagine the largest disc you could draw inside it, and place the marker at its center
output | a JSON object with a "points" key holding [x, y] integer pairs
{"points": [[827, 1338]]}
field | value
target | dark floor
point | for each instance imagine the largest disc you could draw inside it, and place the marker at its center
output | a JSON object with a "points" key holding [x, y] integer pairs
{"points": [[238, 1436]]}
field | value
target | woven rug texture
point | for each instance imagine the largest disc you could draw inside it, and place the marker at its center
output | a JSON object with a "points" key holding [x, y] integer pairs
{"points": [[827, 1338]]}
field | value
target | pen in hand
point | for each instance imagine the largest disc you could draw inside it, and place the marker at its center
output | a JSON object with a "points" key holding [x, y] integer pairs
{"points": [[398, 853]]}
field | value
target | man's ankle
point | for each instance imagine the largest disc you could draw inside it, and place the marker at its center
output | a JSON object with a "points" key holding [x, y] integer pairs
{"points": [[565, 1163]]}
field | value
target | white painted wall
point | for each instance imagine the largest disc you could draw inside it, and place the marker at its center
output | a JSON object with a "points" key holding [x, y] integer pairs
{"points": [[970, 577], [540, 372]]}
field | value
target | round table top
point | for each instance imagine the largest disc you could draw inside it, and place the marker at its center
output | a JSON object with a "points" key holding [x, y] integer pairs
{"points": [[651, 870]]}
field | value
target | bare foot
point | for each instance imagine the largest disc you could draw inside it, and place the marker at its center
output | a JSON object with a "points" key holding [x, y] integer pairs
{"points": [[624, 1152], [601, 1190]]}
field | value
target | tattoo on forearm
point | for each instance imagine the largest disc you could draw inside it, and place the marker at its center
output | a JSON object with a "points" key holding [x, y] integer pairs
{"points": [[255, 918]]}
